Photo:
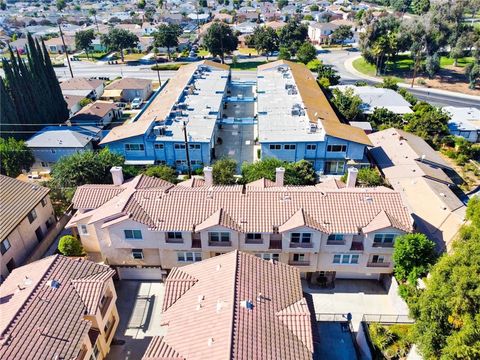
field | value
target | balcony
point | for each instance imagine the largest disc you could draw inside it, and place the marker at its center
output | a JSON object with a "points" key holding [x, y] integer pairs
{"points": [[299, 262], [275, 245], [356, 246], [174, 241], [254, 242], [301, 245], [382, 245], [378, 264], [196, 244], [335, 242], [220, 243], [105, 306]]}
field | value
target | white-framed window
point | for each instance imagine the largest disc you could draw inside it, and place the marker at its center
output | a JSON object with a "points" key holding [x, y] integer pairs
{"points": [[275, 147], [336, 148], [174, 235], [378, 259], [137, 254], [43, 202], [335, 167], [188, 256], [289, 147], [180, 162], [299, 257], [82, 229], [335, 238], [4, 246], [345, 259], [311, 147], [268, 256], [32, 215], [386, 239], [179, 146], [298, 238], [158, 146], [194, 146], [254, 236], [133, 234], [219, 236], [134, 147]]}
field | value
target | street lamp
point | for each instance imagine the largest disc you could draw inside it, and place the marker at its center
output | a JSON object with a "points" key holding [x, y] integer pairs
{"points": [[185, 122]]}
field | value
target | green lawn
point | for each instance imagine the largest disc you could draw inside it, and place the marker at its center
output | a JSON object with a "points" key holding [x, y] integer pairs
{"points": [[246, 51], [202, 53], [133, 56], [94, 55], [247, 65], [164, 67], [364, 67]]}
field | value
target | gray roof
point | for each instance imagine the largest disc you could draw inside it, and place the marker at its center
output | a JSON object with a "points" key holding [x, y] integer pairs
{"points": [[60, 137]]}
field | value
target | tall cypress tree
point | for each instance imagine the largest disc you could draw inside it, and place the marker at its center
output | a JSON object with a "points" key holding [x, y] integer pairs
{"points": [[8, 114]]}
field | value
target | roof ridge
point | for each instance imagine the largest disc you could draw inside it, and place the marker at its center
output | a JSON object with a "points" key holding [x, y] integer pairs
{"points": [[187, 278], [235, 299]]}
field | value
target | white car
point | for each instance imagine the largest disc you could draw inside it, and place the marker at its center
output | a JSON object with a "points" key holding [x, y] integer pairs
{"points": [[136, 103]]}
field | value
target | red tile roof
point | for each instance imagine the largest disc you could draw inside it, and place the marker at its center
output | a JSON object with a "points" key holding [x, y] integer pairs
{"points": [[210, 320], [41, 322]]}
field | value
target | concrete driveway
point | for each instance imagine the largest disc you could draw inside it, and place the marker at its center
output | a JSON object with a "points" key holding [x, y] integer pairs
{"points": [[139, 305]]}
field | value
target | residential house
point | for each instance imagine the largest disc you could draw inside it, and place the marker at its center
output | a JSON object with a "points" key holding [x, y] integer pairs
{"points": [[373, 98], [258, 306], [26, 216], [319, 33], [99, 114], [87, 88], [415, 170], [54, 142], [55, 45], [464, 122], [128, 89], [146, 226], [73, 103], [296, 121], [58, 308], [226, 18], [19, 45]]}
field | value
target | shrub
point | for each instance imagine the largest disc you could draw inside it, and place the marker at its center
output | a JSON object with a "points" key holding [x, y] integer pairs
{"points": [[70, 246], [85, 102], [163, 172], [224, 171]]}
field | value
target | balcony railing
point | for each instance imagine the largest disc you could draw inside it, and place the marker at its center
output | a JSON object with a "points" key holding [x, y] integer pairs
{"points": [[174, 241], [356, 246], [384, 245], [220, 243], [335, 242], [106, 305], [275, 245], [299, 262], [196, 244], [301, 245], [378, 264], [254, 241]]}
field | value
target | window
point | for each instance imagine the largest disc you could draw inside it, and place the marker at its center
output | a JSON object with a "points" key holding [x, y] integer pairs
{"points": [[311, 147], [345, 259], [95, 352], [334, 239], [254, 236], [4, 246], [378, 259], [384, 239], [82, 229], [133, 234], [268, 256], [299, 257], [195, 162], [158, 146], [336, 148], [335, 167], [43, 202], [134, 147], [50, 221], [174, 235], [189, 256], [160, 162], [289, 147], [194, 146], [53, 151], [137, 254], [219, 236], [32, 216], [179, 146], [44, 164], [275, 147], [300, 237], [181, 162]]}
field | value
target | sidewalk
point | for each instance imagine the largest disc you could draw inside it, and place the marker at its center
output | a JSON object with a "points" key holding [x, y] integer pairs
{"points": [[349, 66]]}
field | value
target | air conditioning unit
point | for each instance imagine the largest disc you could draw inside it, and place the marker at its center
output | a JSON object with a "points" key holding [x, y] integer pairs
{"points": [[159, 130], [313, 128]]}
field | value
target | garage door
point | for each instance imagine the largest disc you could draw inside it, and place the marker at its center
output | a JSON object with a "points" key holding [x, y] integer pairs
{"points": [[140, 273], [352, 275]]}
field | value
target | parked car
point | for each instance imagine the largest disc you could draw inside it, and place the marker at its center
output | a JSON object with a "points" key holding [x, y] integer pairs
{"points": [[121, 104], [136, 103]]}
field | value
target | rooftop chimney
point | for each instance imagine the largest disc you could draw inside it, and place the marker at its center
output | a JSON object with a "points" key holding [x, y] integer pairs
{"points": [[208, 175], [117, 175], [352, 177], [279, 176]]}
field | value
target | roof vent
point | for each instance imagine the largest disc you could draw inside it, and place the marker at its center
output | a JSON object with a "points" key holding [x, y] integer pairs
{"points": [[423, 157], [210, 341], [219, 305], [53, 284], [198, 307], [219, 266], [247, 304], [368, 199], [201, 298]]}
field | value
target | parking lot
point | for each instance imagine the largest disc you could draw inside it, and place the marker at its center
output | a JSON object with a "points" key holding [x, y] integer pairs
{"points": [[139, 304]]}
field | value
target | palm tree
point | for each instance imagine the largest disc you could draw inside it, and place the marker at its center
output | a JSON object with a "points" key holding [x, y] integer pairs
{"points": [[93, 13]]}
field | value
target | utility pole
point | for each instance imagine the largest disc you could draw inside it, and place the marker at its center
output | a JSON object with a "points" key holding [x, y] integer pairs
{"points": [[156, 64], [186, 149], [66, 49]]}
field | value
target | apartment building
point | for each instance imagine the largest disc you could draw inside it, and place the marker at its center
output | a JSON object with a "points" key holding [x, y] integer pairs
{"points": [[192, 99], [58, 308], [26, 216], [234, 306], [296, 121], [146, 226]]}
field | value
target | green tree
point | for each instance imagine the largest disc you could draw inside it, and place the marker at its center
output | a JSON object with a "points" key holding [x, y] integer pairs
{"points": [[314, 8], [224, 171], [265, 39], [340, 34], [306, 53], [329, 73], [400, 5], [93, 12], [118, 40], [220, 40], [70, 246], [420, 7], [428, 122], [347, 103], [3, 5], [83, 40], [282, 3], [85, 167], [61, 4], [203, 3], [299, 173], [141, 4], [15, 156], [408, 96], [473, 211], [163, 172], [366, 177], [284, 54], [432, 65], [292, 36], [473, 73], [412, 257], [389, 83], [382, 118], [167, 36]]}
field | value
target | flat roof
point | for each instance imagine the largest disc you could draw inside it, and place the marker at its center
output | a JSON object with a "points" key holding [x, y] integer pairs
{"points": [[463, 118]]}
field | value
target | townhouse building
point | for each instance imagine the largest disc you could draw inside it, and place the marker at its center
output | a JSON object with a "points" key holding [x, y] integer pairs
{"points": [[26, 216], [146, 226], [58, 308]]}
